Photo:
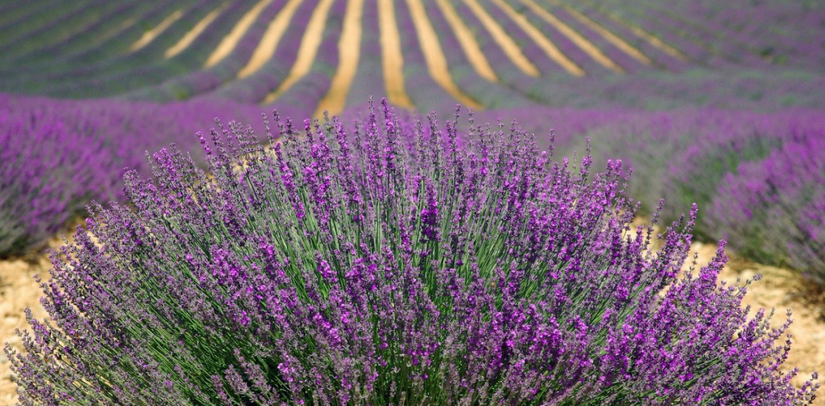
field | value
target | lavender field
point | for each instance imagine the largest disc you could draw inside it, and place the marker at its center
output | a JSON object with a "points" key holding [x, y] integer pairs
{"points": [[420, 202]]}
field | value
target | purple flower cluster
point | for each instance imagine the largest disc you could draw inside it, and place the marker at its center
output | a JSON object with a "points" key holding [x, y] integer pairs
{"points": [[59, 155], [390, 262]]}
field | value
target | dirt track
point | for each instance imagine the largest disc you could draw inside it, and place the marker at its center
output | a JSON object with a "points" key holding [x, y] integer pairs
{"points": [[18, 290]]}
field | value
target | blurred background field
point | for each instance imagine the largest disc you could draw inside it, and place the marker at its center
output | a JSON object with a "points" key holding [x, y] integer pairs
{"points": [[719, 103]]}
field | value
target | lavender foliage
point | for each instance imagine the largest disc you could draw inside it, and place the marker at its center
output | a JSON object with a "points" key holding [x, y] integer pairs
{"points": [[391, 262]]}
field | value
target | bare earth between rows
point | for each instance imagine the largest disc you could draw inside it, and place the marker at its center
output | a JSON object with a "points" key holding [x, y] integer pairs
{"points": [[780, 289]]}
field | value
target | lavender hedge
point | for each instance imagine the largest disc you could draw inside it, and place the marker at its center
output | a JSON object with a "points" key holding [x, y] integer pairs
{"points": [[759, 174], [396, 263], [776, 207], [58, 155], [45, 182]]}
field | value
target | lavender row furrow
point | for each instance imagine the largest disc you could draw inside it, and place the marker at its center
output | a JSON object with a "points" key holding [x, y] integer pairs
{"points": [[490, 95], [256, 87]]}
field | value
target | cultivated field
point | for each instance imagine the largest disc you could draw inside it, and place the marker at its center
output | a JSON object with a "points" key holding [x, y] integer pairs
{"points": [[718, 104], [328, 54]]}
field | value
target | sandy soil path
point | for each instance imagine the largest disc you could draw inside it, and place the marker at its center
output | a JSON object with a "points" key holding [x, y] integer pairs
{"points": [[310, 43], [229, 42], [434, 55], [193, 34], [349, 49], [18, 290], [150, 35], [500, 36]]}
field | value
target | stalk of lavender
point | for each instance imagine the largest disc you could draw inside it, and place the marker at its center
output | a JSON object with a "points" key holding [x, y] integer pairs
{"points": [[395, 263]]}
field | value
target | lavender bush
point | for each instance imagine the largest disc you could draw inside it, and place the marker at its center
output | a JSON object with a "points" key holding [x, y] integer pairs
{"points": [[392, 263]]}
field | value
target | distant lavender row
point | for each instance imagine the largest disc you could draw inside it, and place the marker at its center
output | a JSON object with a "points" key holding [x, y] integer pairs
{"points": [[774, 209], [58, 155], [389, 263], [758, 175]]}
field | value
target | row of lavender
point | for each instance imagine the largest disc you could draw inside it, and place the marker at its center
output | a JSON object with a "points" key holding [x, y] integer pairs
{"points": [[59, 155], [678, 83], [98, 52], [391, 262], [646, 88], [100, 64], [757, 177]]}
